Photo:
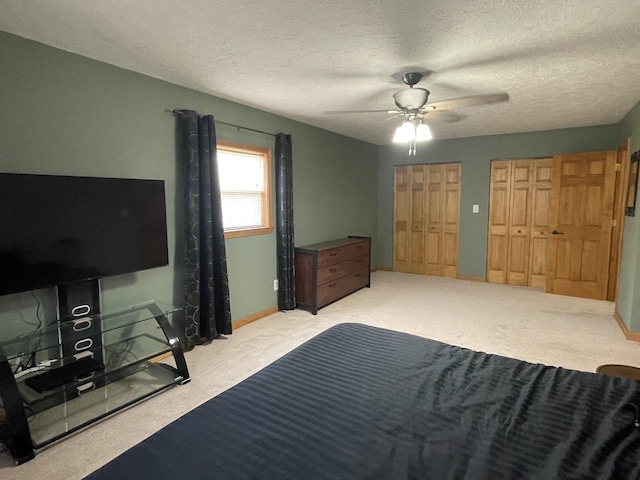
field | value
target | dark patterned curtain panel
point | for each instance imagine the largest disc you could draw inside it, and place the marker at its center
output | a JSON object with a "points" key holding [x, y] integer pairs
{"points": [[207, 305], [284, 221]]}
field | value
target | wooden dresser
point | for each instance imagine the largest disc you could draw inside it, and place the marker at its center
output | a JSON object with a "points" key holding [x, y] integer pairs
{"points": [[329, 271]]}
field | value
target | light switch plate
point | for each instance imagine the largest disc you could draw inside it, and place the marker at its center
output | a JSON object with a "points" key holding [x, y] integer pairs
{"points": [[476, 209]]}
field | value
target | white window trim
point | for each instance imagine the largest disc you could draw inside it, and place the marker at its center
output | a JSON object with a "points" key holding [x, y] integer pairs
{"points": [[267, 218]]}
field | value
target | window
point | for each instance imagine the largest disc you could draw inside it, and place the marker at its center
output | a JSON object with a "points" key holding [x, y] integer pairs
{"points": [[245, 188]]}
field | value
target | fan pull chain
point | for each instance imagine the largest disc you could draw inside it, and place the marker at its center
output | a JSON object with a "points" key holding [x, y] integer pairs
{"points": [[412, 147]]}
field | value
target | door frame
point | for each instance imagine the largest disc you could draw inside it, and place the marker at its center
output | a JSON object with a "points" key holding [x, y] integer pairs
{"points": [[620, 195]]}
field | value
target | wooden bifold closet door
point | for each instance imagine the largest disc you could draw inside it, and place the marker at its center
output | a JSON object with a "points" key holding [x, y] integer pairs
{"points": [[426, 219], [519, 221]]}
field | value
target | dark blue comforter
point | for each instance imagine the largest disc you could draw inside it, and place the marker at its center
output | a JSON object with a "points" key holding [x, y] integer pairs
{"points": [[359, 402]]}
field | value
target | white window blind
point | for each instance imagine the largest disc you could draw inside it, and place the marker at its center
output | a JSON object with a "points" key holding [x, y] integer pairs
{"points": [[241, 188]]}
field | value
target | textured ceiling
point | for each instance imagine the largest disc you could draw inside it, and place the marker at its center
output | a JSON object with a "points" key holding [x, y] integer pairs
{"points": [[564, 63]]}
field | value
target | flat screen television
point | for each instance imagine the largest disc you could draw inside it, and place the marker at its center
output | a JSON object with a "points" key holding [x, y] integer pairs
{"points": [[57, 230]]}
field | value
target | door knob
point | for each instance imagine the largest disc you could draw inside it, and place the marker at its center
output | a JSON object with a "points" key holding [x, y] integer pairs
{"points": [[556, 232]]}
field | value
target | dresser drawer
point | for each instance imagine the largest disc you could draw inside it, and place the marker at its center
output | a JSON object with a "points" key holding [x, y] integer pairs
{"points": [[357, 249], [342, 286], [340, 254], [332, 256], [338, 270]]}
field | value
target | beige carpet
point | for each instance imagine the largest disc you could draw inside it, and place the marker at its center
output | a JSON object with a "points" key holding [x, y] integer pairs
{"points": [[518, 322]]}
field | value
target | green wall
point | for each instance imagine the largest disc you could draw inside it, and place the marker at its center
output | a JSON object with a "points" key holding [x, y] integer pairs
{"points": [[65, 114], [61, 113], [475, 154], [628, 301]]}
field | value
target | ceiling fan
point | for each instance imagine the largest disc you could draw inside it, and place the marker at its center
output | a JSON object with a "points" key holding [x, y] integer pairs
{"points": [[416, 113]]}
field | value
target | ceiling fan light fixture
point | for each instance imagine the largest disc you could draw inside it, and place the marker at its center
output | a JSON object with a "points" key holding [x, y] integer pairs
{"points": [[411, 98], [405, 133], [423, 132]]}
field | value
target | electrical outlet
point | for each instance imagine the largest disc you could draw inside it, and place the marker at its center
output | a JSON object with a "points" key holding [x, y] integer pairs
{"points": [[476, 209], [275, 285]]}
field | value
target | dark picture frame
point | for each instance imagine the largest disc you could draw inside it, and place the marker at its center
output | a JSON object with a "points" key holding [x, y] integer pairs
{"points": [[630, 210]]}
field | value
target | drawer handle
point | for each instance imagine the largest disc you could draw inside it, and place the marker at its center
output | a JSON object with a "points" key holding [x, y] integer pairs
{"points": [[333, 270], [358, 274], [333, 254], [333, 285]]}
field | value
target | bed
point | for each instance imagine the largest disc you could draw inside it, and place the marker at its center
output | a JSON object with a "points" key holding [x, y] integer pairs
{"points": [[360, 402]]}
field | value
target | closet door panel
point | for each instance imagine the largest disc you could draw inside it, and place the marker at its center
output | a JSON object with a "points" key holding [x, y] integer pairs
{"points": [[499, 207], [417, 215], [401, 203], [427, 219], [519, 223], [434, 219], [518, 233], [540, 205]]}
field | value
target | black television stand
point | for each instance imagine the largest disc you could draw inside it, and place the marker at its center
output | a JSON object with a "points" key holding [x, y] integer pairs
{"points": [[137, 355]]}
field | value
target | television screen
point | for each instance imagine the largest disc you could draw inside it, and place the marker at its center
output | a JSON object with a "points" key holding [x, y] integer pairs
{"points": [[56, 230]]}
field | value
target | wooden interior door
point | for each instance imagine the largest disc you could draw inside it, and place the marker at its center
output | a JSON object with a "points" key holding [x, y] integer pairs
{"points": [[451, 218], [519, 223], [409, 219], [427, 219], [443, 219], [401, 202], [499, 208], [417, 216], [540, 204], [435, 178], [582, 195]]}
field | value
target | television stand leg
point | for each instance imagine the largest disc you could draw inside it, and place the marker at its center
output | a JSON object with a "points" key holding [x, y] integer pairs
{"points": [[14, 433]]}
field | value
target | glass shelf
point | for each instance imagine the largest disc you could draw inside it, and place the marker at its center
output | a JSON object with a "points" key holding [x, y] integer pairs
{"points": [[118, 356], [42, 340], [140, 381]]}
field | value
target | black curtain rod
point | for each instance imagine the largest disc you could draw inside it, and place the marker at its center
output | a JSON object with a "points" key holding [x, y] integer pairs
{"points": [[173, 112], [244, 128]]}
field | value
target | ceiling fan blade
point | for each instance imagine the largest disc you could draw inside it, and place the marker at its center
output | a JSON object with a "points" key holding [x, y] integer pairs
{"points": [[442, 116], [470, 101], [337, 112]]}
